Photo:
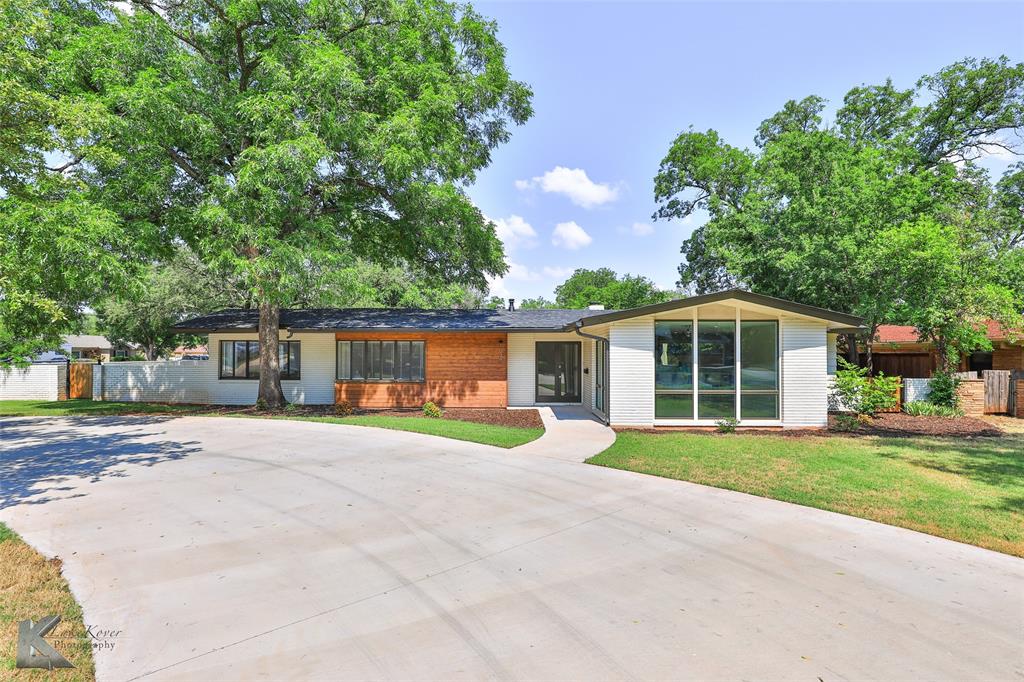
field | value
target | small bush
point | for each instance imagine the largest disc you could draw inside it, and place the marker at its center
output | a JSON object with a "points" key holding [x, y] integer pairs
{"points": [[846, 422], [343, 408], [923, 408], [430, 409], [942, 389], [859, 393], [726, 425], [261, 404], [291, 407]]}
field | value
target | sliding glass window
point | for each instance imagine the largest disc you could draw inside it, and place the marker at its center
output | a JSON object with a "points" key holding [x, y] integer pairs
{"points": [[716, 369], [241, 359], [673, 370], [759, 369], [381, 361]]}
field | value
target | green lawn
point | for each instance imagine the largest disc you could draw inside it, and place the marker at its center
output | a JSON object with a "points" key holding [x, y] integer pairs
{"points": [[971, 490], [60, 408], [488, 434]]}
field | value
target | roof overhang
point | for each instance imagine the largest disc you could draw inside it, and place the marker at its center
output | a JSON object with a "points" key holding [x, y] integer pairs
{"points": [[837, 321]]}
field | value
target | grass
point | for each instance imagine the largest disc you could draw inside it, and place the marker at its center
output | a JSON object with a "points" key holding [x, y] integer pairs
{"points": [[81, 407], [32, 587], [487, 434], [970, 490]]}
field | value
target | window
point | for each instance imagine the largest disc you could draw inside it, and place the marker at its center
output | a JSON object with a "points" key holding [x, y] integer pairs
{"points": [[381, 361], [716, 369], [241, 359], [759, 369], [673, 370]]}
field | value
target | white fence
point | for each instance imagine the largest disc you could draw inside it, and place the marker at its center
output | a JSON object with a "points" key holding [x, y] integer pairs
{"points": [[164, 382], [915, 389], [35, 382]]}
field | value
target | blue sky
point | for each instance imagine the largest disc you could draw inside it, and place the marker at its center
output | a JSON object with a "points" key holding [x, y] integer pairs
{"points": [[615, 82]]}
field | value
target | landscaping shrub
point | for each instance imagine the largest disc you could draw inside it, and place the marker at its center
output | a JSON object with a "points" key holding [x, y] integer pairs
{"points": [[924, 408], [726, 425], [846, 422], [942, 390], [862, 394], [430, 409], [343, 408]]}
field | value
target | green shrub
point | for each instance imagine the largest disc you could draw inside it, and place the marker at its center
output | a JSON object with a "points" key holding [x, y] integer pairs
{"points": [[343, 408], [430, 409], [727, 425], [846, 422], [291, 407], [942, 389], [923, 408], [862, 394]]}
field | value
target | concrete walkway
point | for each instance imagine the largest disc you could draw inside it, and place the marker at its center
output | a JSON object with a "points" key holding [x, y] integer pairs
{"points": [[571, 433], [243, 549]]}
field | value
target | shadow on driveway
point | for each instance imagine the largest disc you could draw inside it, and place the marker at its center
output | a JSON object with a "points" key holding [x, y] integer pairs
{"points": [[38, 459]]}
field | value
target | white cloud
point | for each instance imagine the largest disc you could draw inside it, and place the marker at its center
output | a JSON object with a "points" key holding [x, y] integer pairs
{"points": [[556, 272], [514, 232], [573, 183], [641, 229], [570, 236]]}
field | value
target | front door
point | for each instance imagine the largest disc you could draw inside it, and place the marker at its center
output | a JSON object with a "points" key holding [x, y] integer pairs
{"points": [[558, 372]]}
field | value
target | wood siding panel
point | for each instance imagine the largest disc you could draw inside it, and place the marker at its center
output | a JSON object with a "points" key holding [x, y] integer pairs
{"points": [[1011, 358], [804, 373], [467, 369]]}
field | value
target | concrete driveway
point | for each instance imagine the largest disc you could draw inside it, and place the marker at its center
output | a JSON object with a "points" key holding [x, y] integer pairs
{"points": [[250, 549]]}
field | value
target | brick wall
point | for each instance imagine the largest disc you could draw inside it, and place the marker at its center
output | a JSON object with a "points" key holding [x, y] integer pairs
{"points": [[972, 397], [1011, 357], [463, 369], [1020, 398]]}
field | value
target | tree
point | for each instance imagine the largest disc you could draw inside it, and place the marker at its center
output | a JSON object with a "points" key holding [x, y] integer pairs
{"points": [[812, 212], [276, 136], [605, 287], [59, 249], [536, 303]]}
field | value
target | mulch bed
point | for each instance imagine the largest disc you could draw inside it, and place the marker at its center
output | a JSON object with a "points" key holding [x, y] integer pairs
{"points": [[499, 417], [894, 425]]}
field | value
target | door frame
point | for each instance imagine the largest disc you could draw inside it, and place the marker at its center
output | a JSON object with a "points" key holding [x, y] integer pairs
{"points": [[578, 398]]}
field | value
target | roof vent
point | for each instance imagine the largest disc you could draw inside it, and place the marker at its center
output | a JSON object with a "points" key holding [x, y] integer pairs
{"points": [[595, 306], [511, 304]]}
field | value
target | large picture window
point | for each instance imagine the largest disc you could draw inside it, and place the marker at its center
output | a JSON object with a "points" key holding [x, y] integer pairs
{"points": [[759, 369], [241, 359], [381, 361], [673, 370], [716, 369]]}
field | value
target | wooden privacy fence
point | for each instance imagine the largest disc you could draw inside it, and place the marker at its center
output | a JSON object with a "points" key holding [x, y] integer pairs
{"points": [[997, 391], [80, 380]]}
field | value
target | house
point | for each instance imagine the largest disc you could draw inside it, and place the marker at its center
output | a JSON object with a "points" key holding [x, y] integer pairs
{"points": [[189, 353], [93, 347], [898, 350], [671, 364]]}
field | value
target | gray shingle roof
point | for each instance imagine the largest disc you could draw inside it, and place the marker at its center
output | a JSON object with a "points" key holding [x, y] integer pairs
{"points": [[329, 319]]}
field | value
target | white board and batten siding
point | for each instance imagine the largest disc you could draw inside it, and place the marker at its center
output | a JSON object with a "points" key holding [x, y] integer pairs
{"points": [[631, 372], [36, 382], [805, 382], [198, 381], [522, 366]]}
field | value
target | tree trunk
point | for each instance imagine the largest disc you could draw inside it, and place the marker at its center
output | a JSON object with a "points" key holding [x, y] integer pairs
{"points": [[851, 349], [271, 396], [150, 351], [867, 350]]}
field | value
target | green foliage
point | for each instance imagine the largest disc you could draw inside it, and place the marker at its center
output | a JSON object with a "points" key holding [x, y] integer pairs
{"points": [[864, 395], [846, 422], [536, 303], [430, 409], [924, 408], [727, 425], [942, 390], [883, 213], [281, 141], [604, 286]]}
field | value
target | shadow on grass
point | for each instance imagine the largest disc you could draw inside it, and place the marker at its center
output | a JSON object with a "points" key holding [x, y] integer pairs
{"points": [[40, 463]]}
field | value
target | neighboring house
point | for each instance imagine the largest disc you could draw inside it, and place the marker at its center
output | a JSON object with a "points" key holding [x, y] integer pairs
{"points": [[637, 367], [93, 347], [897, 350], [189, 353]]}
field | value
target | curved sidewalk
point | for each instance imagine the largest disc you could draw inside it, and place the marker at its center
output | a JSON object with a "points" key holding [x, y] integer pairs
{"points": [[571, 433]]}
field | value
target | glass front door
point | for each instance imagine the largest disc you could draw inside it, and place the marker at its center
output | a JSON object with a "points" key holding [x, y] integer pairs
{"points": [[558, 372]]}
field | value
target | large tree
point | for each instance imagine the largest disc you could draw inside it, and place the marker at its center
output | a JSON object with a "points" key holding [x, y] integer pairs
{"points": [[814, 211], [273, 136], [606, 287]]}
